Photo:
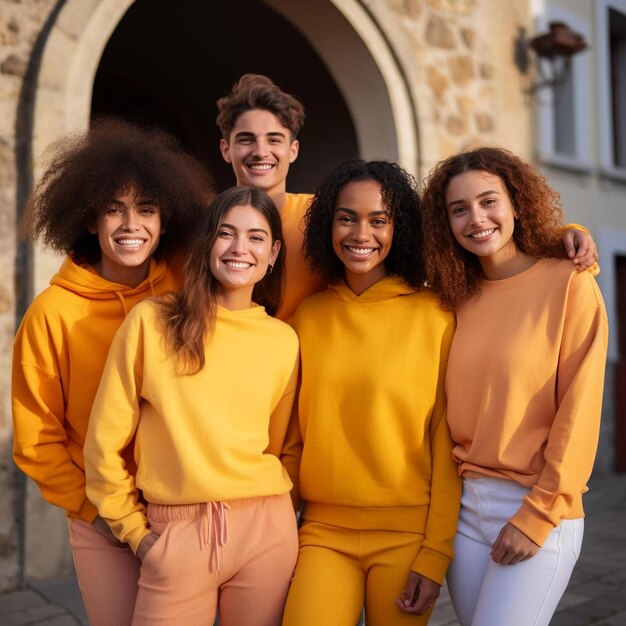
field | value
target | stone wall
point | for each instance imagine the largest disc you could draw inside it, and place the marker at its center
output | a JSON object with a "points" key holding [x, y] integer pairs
{"points": [[458, 58], [21, 21]]}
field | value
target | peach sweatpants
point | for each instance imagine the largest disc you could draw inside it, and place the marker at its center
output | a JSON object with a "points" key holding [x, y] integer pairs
{"points": [[237, 556], [107, 573]]}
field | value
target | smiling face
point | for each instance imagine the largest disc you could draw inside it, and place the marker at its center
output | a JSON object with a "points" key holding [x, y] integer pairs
{"points": [[481, 215], [128, 229], [362, 233], [241, 254], [260, 150]]}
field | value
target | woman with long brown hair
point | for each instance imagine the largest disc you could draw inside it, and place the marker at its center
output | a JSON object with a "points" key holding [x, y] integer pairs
{"points": [[204, 380]]}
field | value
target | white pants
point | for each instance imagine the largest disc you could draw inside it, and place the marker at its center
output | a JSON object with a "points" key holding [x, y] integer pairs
{"points": [[485, 593]]}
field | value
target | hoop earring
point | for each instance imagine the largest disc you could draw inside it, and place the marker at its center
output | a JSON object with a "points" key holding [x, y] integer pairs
{"points": [[270, 269]]}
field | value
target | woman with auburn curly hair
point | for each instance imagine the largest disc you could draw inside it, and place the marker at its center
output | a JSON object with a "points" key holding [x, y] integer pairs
{"points": [[119, 202], [380, 489], [205, 379], [524, 383]]}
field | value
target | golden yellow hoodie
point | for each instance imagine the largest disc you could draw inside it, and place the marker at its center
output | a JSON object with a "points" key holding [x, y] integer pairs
{"points": [[208, 437], [58, 357], [301, 281], [377, 452], [524, 387]]}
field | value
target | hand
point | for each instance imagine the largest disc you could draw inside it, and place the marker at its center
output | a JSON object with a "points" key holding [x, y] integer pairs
{"points": [[512, 546], [419, 595], [145, 544], [581, 248], [103, 528]]}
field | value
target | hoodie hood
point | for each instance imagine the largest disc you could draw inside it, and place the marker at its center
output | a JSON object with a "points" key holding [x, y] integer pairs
{"points": [[85, 281], [385, 289]]}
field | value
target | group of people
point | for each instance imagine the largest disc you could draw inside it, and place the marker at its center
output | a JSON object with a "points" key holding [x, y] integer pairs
{"points": [[285, 408]]}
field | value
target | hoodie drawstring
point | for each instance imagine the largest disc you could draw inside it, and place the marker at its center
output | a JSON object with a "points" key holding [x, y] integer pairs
{"points": [[123, 301], [214, 531]]}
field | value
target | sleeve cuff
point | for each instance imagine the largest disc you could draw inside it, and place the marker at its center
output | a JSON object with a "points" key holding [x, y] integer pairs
{"points": [[431, 564], [88, 512], [535, 526]]}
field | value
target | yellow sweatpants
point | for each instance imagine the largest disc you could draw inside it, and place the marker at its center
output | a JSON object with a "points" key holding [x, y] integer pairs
{"points": [[341, 569]]}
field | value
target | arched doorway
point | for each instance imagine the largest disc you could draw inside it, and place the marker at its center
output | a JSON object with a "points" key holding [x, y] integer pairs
{"points": [[363, 105], [169, 68]]}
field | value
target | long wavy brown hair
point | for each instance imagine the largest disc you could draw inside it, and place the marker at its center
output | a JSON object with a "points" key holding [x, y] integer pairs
{"points": [[453, 272], [189, 315]]}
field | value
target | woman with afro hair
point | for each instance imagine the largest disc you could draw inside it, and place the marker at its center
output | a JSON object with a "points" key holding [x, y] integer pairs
{"points": [[119, 202], [524, 383], [380, 489]]}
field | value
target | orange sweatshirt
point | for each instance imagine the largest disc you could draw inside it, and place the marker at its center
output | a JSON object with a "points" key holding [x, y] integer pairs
{"points": [[376, 446], [58, 358], [524, 386], [301, 282], [212, 436]]}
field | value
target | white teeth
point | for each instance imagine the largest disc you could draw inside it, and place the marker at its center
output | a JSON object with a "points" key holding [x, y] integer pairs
{"points": [[361, 251], [260, 166], [130, 243], [482, 234], [237, 265]]}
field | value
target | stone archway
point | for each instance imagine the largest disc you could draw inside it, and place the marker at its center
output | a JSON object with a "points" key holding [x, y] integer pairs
{"points": [[342, 33]]}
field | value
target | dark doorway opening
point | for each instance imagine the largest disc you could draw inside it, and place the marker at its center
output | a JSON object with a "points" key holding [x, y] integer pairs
{"points": [[168, 62]]}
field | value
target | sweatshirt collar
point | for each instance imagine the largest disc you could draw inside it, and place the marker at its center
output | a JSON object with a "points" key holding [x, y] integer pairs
{"points": [[385, 289]]}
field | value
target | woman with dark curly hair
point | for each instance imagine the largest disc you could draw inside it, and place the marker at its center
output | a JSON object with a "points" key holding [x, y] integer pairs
{"points": [[206, 380], [380, 489], [119, 202], [524, 383]]}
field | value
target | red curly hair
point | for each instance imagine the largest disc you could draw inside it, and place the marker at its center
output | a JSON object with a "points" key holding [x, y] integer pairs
{"points": [[453, 272]]}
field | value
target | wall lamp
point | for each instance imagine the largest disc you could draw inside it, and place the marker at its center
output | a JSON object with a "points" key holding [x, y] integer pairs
{"points": [[554, 51]]}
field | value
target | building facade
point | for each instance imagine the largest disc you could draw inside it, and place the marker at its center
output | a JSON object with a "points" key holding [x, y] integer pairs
{"points": [[411, 81]]}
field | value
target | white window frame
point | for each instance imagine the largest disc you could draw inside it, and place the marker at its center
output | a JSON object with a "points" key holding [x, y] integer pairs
{"points": [[583, 121], [608, 167]]}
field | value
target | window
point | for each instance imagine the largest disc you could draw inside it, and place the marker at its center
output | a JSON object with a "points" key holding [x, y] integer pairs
{"points": [[563, 119], [617, 54], [611, 36]]}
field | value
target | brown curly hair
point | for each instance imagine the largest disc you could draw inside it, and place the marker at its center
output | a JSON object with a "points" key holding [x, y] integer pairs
{"points": [[453, 272], [255, 91], [86, 172]]}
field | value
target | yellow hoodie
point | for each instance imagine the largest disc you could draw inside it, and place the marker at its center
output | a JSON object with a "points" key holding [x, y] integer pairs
{"points": [[208, 437], [58, 357], [377, 452], [301, 282]]}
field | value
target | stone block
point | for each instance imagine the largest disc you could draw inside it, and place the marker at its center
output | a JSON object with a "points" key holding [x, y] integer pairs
{"points": [[484, 122], [14, 65], [439, 34], [462, 69], [437, 81], [413, 9], [468, 36]]}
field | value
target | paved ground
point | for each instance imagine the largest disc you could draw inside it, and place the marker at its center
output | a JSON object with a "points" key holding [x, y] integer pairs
{"points": [[596, 593]]}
